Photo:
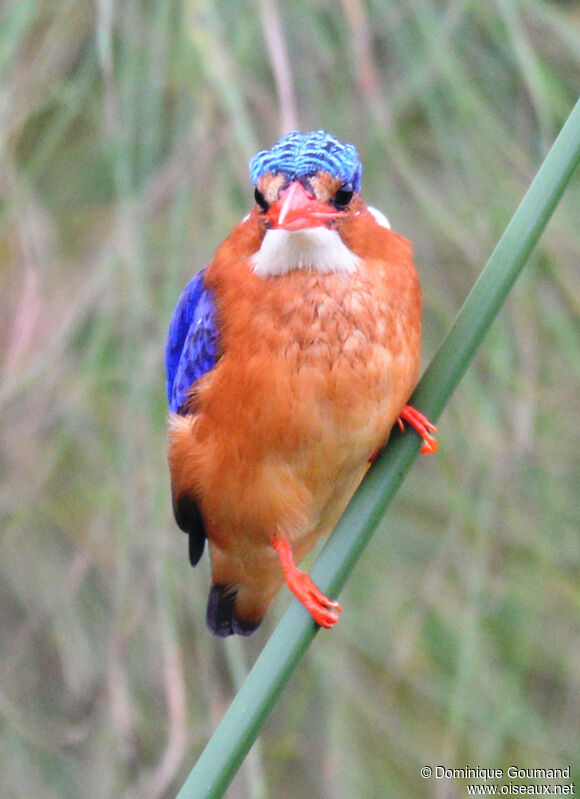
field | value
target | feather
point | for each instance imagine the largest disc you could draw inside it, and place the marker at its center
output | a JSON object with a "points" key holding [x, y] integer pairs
{"points": [[221, 616], [298, 154], [192, 343], [191, 352]]}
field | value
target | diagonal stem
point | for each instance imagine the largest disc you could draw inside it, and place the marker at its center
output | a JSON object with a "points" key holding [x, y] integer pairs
{"points": [[244, 719]]}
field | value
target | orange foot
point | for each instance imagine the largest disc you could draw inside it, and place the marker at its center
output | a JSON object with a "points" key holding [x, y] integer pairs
{"points": [[323, 610], [422, 425]]}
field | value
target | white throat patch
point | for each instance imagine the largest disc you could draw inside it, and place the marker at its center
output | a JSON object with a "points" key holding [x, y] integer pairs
{"points": [[316, 249]]}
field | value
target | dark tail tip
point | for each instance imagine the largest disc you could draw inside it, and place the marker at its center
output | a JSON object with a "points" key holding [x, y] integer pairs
{"points": [[221, 616]]}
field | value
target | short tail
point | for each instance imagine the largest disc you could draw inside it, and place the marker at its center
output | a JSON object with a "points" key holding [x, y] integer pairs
{"points": [[222, 618]]}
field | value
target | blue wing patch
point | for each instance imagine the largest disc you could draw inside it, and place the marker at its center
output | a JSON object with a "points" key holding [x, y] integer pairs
{"points": [[192, 342]]}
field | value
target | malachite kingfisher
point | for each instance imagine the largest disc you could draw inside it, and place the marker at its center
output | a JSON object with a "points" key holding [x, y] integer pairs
{"points": [[289, 359]]}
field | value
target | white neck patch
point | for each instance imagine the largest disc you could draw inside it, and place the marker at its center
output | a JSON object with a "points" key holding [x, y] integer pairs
{"points": [[313, 249], [379, 216]]}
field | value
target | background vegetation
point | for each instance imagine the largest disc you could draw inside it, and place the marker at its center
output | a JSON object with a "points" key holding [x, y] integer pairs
{"points": [[125, 130]]}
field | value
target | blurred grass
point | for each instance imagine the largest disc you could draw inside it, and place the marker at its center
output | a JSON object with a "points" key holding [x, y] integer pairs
{"points": [[125, 134]]}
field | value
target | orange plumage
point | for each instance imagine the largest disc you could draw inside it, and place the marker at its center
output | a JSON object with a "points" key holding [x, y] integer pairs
{"points": [[313, 371]]}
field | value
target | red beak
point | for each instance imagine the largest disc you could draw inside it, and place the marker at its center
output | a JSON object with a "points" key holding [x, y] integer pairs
{"points": [[295, 209]]}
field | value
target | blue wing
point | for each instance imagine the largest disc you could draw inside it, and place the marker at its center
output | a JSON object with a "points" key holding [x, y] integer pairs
{"points": [[192, 342]]}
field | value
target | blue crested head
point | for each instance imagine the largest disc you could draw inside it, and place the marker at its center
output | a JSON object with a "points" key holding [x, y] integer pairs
{"points": [[298, 155]]}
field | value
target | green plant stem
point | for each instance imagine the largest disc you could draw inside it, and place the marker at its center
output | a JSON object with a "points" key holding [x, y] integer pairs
{"points": [[244, 719]]}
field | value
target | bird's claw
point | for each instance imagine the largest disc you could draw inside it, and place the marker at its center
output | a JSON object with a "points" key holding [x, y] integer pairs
{"points": [[323, 610], [422, 425]]}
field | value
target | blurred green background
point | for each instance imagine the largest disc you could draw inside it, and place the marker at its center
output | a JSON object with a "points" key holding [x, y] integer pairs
{"points": [[125, 130]]}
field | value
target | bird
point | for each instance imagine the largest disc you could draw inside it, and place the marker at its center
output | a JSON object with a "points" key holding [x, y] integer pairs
{"points": [[289, 359]]}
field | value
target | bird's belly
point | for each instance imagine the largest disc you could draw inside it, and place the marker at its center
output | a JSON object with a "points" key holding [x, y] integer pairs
{"points": [[295, 450], [349, 414]]}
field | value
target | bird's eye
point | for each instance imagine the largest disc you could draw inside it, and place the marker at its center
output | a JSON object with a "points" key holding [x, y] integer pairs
{"points": [[344, 195], [261, 200]]}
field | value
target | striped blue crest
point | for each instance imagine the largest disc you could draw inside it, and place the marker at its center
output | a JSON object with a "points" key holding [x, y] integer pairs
{"points": [[299, 155]]}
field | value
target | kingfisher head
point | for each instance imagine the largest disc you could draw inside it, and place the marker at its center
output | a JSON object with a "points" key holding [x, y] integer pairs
{"points": [[306, 180], [306, 190]]}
